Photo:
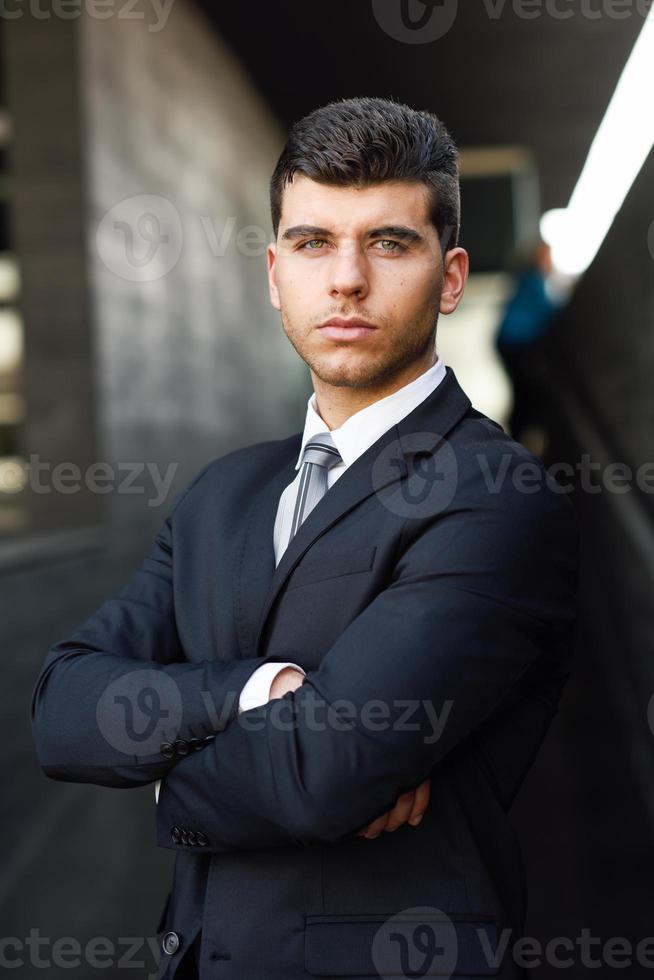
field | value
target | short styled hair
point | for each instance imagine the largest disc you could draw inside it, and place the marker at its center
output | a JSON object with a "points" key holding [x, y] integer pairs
{"points": [[365, 141]]}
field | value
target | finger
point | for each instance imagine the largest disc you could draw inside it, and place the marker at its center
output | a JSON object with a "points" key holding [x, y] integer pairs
{"points": [[420, 803], [374, 828], [411, 805], [401, 811]]}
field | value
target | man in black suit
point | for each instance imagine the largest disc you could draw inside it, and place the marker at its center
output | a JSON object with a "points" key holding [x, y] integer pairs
{"points": [[344, 649]]}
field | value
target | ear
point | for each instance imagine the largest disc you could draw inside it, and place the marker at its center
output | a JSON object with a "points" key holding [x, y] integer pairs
{"points": [[271, 256], [456, 266]]}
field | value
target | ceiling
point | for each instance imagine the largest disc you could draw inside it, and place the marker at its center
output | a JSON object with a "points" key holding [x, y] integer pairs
{"points": [[495, 77]]}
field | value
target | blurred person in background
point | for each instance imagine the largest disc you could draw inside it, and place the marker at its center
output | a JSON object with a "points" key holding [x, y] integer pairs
{"points": [[532, 305]]}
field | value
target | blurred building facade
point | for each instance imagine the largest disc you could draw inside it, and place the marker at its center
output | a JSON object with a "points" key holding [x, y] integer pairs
{"points": [[145, 358]]}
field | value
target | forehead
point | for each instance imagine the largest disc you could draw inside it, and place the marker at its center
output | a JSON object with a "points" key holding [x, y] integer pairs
{"points": [[306, 201]]}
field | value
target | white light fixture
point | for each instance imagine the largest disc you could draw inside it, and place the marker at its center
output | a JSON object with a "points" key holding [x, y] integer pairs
{"points": [[11, 341], [619, 150], [9, 278]]}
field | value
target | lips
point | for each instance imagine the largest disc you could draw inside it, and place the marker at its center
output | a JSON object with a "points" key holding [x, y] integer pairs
{"points": [[339, 328]]}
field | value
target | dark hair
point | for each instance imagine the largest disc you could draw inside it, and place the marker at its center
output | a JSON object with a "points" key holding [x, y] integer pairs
{"points": [[364, 141]]}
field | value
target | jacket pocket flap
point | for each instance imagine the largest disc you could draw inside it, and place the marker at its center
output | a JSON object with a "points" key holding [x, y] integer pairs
{"points": [[343, 563], [424, 943]]}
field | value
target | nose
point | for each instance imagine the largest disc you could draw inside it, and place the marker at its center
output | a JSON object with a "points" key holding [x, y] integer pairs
{"points": [[347, 273]]}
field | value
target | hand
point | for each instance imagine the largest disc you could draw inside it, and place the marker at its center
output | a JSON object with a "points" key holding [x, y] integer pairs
{"points": [[409, 808], [288, 679]]}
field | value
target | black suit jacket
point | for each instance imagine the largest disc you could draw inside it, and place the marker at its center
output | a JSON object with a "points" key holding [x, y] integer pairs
{"points": [[430, 596]]}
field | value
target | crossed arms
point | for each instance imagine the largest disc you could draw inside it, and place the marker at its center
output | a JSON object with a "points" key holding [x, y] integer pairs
{"points": [[481, 604], [409, 807]]}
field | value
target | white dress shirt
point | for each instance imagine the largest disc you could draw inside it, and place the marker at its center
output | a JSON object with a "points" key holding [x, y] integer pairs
{"points": [[352, 438]]}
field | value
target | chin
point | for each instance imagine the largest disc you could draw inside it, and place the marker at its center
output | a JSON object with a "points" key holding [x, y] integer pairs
{"points": [[358, 374]]}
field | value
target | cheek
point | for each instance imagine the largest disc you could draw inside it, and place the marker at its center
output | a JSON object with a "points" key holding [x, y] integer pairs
{"points": [[298, 285], [416, 290], [403, 291]]}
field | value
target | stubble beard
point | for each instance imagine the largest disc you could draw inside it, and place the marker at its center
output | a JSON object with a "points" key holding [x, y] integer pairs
{"points": [[364, 372]]}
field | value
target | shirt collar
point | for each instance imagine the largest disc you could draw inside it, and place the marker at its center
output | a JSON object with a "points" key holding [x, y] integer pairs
{"points": [[362, 429]]}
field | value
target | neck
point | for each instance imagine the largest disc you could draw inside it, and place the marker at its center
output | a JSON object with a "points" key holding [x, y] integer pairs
{"points": [[336, 403]]}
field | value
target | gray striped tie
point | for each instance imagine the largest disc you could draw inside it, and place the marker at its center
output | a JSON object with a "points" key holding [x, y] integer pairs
{"points": [[320, 454]]}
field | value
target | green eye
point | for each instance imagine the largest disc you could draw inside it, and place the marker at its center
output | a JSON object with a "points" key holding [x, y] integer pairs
{"points": [[312, 241], [389, 241]]}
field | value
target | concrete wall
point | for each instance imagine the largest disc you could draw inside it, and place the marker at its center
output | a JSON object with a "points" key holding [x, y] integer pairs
{"points": [[46, 207], [191, 362], [125, 363]]}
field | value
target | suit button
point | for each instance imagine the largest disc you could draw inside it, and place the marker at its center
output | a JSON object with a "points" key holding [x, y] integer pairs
{"points": [[184, 837], [167, 750], [201, 839], [192, 840], [208, 738], [170, 943], [195, 743], [175, 834], [181, 747]]}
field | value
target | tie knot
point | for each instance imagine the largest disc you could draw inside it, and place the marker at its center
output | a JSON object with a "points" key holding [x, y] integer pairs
{"points": [[321, 450]]}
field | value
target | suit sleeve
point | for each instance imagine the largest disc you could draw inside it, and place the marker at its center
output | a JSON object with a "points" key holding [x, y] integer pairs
{"points": [[116, 703], [255, 692], [481, 608]]}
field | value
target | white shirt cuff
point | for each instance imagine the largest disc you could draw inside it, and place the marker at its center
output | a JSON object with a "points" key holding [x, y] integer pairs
{"points": [[256, 691]]}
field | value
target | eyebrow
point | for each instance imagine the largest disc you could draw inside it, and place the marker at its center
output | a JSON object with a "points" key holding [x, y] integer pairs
{"points": [[401, 232]]}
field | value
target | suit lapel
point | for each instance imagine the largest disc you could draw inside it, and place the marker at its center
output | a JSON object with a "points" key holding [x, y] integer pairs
{"points": [[432, 418], [257, 558]]}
